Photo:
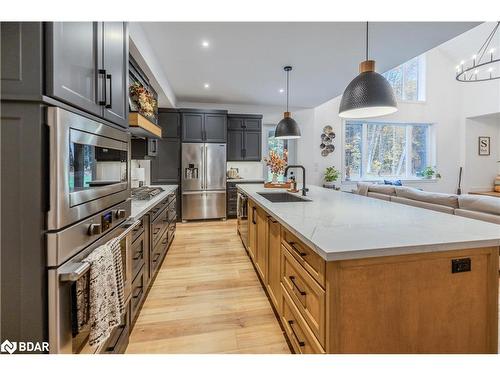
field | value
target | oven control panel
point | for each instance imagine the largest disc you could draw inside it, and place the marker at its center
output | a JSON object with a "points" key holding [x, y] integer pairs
{"points": [[106, 220]]}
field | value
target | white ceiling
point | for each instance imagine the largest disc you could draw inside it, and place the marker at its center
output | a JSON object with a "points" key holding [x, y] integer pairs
{"points": [[244, 62]]}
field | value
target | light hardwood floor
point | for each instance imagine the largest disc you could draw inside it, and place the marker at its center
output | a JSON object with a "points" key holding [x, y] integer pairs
{"points": [[207, 298]]}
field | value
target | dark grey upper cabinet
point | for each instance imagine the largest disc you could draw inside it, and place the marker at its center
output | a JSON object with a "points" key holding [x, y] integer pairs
{"points": [[170, 123], [244, 137], [165, 167], [235, 145], [204, 127], [192, 127], [87, 67], [252, 145], [74, 60], [215, 128], [115, 65], [21, 57]]}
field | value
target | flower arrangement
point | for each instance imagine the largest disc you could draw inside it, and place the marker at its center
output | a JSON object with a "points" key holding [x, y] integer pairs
{"points": [[276, 163], [144, 100]]}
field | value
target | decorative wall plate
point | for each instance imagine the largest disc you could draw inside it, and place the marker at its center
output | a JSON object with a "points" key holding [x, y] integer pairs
{"points": [[327, 138]]}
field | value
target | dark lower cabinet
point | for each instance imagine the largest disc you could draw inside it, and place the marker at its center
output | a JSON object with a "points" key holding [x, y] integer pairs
{"points": [[232, 197]]}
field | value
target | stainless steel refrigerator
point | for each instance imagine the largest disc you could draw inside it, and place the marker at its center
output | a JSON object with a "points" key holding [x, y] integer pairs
{"points": [[203, 181]]}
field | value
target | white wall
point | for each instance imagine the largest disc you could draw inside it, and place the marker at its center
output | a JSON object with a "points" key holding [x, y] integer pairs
{"points": [[480, 171], [446, 107]]}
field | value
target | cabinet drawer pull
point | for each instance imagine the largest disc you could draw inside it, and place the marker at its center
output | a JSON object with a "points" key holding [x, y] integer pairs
{"points": [[138, 255], [155, 259], [103, 100], [164, 241], [301, 343], [110, 105], [155, 232], [139, 293], [301, 253], [292, 279]]}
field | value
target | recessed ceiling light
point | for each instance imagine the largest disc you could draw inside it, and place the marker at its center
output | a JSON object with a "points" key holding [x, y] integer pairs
{"points": [[282, 91], [206, 85], [205, 44]]}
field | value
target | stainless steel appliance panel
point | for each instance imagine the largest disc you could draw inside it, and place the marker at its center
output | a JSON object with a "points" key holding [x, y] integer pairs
{"points": [[215, 166], [193, 166], [204, 205], [242, 214], [81, 151], [61, 281]]}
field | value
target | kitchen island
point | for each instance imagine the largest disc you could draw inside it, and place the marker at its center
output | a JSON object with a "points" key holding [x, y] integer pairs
{"points": [[352, 274]]}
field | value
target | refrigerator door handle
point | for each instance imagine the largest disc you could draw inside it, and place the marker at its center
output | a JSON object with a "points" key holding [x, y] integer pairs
{"points": [[206, 162], [203, 161]]}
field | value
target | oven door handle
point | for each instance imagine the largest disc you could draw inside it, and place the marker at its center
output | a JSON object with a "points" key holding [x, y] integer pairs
{"points": [[72, 272]]}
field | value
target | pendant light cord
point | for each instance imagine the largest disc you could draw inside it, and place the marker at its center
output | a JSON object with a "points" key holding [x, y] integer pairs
{"points": [[287, 87], [366, 40]]}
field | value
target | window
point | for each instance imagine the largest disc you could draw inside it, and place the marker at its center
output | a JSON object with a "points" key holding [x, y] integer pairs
{"points": [[408, 80], [377, 150], [280, 146]]}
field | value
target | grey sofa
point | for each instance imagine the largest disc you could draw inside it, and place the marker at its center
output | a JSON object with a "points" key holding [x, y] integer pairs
{"points": [[478, 207]]}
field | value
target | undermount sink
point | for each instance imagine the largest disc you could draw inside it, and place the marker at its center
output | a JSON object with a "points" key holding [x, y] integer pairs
{"points": [[283, 197]]}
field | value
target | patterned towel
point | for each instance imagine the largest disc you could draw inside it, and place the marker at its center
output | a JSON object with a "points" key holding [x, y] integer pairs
{"points": [[105, 291]]}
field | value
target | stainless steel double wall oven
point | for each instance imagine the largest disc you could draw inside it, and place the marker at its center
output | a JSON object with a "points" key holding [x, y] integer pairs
{"points": [[89, 205]]}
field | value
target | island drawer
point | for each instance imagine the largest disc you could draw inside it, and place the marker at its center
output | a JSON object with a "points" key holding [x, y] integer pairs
{"points": [[306, 256], [138, 292], [299, 334], [307, 295], [137, 231]]}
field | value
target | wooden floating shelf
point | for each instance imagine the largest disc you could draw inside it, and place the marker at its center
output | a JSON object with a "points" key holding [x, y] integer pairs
{"points": [[141, 126]]}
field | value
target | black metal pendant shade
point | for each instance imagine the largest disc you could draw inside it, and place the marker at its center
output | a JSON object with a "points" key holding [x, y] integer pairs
{"points": [[368, 95], [287, 128]]}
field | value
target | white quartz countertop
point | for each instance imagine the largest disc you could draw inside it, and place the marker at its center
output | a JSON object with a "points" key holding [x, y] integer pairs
{"points": [[141, 207], [243, 180], [340, 225]]}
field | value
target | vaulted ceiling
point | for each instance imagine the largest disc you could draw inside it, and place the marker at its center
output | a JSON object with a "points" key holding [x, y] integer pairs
{"points": [[243, 62]]}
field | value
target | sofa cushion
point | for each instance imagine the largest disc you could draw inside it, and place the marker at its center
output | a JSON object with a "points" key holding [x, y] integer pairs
{"points": [[443, 199], [384, 197], [481, 203], [382, 189], [421, 204], [483, 216], [362, 188]]}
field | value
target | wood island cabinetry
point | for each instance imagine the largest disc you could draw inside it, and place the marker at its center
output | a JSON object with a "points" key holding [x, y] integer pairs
{"points": [[414, 303]]}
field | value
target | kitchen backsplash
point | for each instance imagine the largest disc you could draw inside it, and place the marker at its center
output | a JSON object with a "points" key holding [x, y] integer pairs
{"points": [[136, 174], [248, 169]]}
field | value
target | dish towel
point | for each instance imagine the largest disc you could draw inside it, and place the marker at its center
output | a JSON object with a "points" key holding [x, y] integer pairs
{"points": [[105, 291]]}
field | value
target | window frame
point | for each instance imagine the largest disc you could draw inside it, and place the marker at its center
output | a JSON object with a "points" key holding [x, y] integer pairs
{"points": [[291, 148], [421, 80], [431, 149]]}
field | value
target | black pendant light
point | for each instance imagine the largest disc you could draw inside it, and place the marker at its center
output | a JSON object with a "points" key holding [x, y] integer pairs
{"points": [[369, 94], [287, 128]]}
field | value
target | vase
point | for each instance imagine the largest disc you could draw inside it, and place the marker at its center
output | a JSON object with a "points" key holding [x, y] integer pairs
{"points": [[275, 178]]}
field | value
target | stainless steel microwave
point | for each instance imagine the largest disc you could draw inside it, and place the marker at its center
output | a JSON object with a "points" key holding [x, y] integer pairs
{"points": [[89, 167]]}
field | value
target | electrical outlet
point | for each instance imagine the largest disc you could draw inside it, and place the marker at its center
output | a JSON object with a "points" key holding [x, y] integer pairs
{"points": [[460, 265]]}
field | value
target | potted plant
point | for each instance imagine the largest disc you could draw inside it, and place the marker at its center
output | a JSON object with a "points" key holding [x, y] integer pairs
{"points": [[276, 164], [331, 175], [430, 172]]}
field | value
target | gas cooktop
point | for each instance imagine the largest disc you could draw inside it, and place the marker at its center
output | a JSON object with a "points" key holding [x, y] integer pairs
{"points": [[145, 192]]}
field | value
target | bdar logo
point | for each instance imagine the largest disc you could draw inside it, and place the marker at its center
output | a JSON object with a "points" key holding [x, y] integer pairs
{"points": [[9, 347]]}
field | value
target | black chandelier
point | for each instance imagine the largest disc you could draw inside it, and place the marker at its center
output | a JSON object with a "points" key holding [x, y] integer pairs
{"points": [[482, 66]]}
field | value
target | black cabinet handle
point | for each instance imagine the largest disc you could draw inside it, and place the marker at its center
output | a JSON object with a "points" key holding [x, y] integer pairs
{"points": [[301, 343], [138, 255], [108, 76], [103, 100], [254, 209], [292, 279], [139, 293], [301, 253]]}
